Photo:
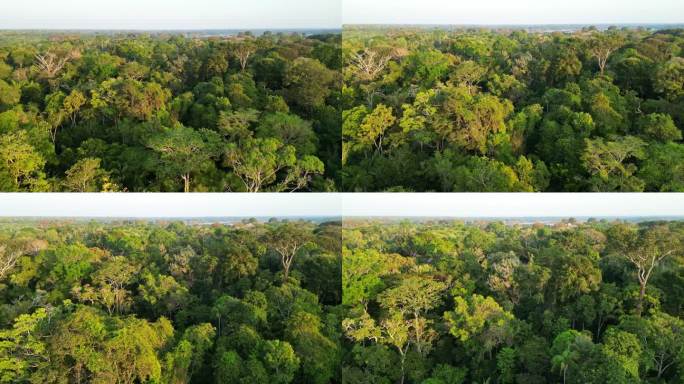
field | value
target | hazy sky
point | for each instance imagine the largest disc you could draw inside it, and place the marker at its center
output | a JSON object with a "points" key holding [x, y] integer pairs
{"points": [[169, 204], [337, 204], [513, 204], [169, 14], [512, 11]]}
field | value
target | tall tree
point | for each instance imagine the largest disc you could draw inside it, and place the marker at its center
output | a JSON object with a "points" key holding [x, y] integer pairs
{"points": [[602, 45], [268, 164], [645, 248], [243, 51], [185, 151], [287, 240]]}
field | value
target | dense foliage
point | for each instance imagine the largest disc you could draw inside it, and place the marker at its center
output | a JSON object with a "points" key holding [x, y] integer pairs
{"points": [[451, 303], [508, 110], [99, 112], [134, 302]]}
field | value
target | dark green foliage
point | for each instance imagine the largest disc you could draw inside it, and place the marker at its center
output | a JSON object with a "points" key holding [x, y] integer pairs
{"points": [[138, 112], [172, 303], [437, 302], [458, 110]]}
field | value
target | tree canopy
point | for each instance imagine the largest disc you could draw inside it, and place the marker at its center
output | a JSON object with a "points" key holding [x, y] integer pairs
{"points": [[441, 301], [168, 302], [507, 110], [167, 112]]}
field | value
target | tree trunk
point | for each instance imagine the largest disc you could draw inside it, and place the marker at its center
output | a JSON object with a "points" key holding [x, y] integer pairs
{"points": [[287, 263], [660, 369], [286, 272], [186, 182], [403, 360], [640, 303]]}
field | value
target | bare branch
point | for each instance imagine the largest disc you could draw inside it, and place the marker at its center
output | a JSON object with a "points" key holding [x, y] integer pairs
{"points": [[370, 63], [8, 259], [51, 64]]}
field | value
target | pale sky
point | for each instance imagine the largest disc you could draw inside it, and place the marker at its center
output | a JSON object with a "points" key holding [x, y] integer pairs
{"points": [[169, 14], [338, 204], [513, 204], [512, 11], [169, 204]]}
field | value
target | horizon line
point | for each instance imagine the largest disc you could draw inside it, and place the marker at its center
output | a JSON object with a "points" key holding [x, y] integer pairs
{"points": [[245, 29], [514, 24], [512, 216], [167, 217], [343, 217]]}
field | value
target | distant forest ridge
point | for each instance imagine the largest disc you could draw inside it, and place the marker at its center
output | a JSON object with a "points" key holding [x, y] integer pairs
{"points": [[528, 27], [185, 32], [207, 220], [516, 219], [188, 220]]}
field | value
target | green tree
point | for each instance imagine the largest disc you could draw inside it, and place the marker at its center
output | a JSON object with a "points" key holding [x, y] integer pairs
{"points": [[480, 321], [567, 350], [185, 151], [290, 130], [268, 164], [73, 103], [505, 362], [22, 351], [235, 125], [318, 355], [625, 348], [661, 339], [608, 165], [645, 249], [287, 240], [669, 78], [10, 95], [602, 46], [280, 361], [21, 166], [469, 120], [239, 263], [659, 127], [413, 297], [110, 286], [243, 51], [662, 169], [187, 358], [87, 176], [307, 83], [88, 346]]}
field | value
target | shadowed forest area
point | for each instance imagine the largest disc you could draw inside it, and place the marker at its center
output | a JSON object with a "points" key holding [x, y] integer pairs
{"points": [[479, 110], [142, 302], [448, 302], [161, 112]]}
